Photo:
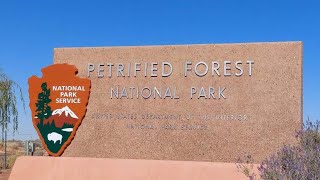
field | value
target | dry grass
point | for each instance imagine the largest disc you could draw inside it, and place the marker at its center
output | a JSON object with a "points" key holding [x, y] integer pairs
{"points": [[14, 150]]}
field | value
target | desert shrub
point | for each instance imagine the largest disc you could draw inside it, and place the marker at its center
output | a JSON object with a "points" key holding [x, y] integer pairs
{"points": [[15, 146], [12, 158], [301, 161], [1, 162], [246, 166]]}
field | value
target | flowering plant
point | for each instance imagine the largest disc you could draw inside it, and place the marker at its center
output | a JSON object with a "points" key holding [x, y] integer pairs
{"points": [[301, 161]]}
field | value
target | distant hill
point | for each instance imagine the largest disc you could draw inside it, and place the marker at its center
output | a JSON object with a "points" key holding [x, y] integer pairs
{"points": [[60, 120]]}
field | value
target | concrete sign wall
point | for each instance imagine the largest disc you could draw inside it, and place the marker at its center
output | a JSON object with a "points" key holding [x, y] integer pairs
{"points": [[212, 102]]}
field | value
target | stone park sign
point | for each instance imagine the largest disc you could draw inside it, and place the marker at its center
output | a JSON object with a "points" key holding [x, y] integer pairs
{"points": [[212, 102]]}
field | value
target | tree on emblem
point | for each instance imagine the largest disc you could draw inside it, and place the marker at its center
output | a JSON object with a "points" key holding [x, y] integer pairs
{"points": [[43, 109]]}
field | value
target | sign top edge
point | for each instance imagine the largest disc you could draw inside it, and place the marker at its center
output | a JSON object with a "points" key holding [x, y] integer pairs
{"points": [[179, 45]]}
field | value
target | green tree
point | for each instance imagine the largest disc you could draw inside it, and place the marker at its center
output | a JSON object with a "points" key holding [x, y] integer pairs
{"points": [[43, 109], [9, 90]]}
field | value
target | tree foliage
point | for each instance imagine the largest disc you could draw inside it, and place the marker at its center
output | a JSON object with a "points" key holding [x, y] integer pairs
{"points": [[43, 109], [9, 91]]}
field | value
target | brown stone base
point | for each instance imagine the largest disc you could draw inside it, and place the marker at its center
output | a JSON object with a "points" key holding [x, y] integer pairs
{"points": [[48, 168]]}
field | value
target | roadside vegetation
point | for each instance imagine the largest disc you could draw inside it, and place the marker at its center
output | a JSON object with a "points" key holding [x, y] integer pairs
{"points": [[300, 161], [16, 148]]}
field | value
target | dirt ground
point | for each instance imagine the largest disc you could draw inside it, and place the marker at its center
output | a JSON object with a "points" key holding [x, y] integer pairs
{"points": [[5, 175], [14, 150]]}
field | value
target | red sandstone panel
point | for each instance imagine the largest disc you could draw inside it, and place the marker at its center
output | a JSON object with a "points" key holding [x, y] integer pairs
{"points": [[50, 168]]}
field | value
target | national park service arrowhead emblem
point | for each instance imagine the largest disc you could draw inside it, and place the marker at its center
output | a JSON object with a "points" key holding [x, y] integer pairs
{"points": [[58, 103]]}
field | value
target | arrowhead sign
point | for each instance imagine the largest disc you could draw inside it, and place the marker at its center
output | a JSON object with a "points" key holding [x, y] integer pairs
{"points": [[58, 103]]}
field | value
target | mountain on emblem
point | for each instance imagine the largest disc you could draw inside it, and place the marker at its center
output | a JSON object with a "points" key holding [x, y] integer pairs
{"points": [[58, 102], [63, 116], [67, 112]]}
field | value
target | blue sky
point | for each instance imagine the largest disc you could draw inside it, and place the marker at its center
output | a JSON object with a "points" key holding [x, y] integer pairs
{"points": [[29, 30]]}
